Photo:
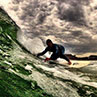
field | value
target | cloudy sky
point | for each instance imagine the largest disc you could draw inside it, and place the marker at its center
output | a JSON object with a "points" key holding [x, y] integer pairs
{"points": [[72, 23]]}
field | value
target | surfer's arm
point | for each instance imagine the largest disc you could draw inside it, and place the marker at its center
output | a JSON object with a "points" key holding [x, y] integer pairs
{"points": [[42, 53]]}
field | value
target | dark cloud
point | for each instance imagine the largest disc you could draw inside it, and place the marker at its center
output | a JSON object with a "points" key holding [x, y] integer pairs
{"points": [[71, 11], [90, 47], [77, 33], [17, 1]]}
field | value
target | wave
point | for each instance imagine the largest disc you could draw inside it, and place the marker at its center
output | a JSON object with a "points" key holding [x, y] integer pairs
{"points": [[23, 74]]}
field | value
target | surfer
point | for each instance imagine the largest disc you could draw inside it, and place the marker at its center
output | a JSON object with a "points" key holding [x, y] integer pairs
{"points": [[58, 51]]}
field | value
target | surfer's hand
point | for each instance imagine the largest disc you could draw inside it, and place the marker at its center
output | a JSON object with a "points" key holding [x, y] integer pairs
{"points": [[69, 63], [47, 59], [38, 55]]}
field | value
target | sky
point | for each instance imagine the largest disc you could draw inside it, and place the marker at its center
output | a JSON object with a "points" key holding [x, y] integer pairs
{"points": [[72, 23]]}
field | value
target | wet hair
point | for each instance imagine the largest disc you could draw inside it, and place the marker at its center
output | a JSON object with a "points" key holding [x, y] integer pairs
{"points": [[48, 41]]}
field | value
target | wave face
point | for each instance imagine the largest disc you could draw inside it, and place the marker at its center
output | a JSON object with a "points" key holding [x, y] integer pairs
{"points": [[12, 68], [25, 75]]}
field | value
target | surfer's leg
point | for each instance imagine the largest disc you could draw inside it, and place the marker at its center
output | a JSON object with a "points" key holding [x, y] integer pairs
{"points": [[66, 58], [54, 57]]}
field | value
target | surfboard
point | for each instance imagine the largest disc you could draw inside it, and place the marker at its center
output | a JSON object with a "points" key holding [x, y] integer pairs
{"points": [[76, 63]]}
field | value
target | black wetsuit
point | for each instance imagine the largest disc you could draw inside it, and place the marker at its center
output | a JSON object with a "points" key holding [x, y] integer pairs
{"points": [[58, 52]]}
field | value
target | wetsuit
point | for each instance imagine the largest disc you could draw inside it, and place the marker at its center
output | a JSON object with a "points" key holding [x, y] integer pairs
{"points": [[58, 52]]}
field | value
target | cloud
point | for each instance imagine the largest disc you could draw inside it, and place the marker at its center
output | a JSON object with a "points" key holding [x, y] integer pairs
{"points": [[66, 20], [17, 1], [71, 11]]}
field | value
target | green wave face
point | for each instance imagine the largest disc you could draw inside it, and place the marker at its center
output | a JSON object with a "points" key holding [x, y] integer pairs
{"points": [[11, 84], [8, 31]]}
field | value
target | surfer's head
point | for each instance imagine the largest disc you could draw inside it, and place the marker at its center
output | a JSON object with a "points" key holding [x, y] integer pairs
{"points": [[49, 42]]}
